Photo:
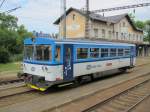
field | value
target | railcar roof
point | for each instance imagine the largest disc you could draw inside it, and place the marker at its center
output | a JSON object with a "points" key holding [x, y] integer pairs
{"points": [[69, 41]]}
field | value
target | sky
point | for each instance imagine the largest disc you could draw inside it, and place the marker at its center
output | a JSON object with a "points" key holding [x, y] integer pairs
{"points": [[39, 15]]}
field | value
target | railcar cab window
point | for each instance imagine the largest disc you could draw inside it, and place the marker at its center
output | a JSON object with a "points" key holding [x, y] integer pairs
{"points": [[57, 53], [113, 52], [28, 52], [120, 52], [82, 53], [43, 53], [104, 52], [94, 52]]}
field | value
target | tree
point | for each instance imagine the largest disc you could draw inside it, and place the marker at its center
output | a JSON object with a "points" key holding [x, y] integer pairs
{"points": [[132, 17], [148, 35], [144, 25], [8, 21], [147, 22], [4, 55], [23, 33], [11, 37], [140, 24], [147, 29]]}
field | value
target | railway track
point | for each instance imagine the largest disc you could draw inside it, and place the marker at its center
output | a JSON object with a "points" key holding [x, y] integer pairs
{"points": [[125, 101], [73, 100], [14, 91], [9, 84], [118, 98], [19, 95], [6, 82]]}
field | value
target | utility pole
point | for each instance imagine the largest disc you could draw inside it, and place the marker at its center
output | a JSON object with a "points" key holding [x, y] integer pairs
{"points": [[64, 18], [87, 30]]}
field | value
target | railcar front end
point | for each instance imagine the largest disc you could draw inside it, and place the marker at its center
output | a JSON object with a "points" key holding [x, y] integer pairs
{"points": [[42, 65]]}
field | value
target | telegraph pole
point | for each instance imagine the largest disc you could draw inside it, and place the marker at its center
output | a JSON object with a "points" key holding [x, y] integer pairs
{"points": [[87, 30], [64, 17]]}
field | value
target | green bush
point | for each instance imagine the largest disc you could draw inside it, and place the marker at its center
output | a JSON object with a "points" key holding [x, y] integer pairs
{"points": [[4, 56], [16, 57]]}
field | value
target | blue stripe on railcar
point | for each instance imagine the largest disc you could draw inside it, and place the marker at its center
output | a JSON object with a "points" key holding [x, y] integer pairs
{"points": [[47, 41]]}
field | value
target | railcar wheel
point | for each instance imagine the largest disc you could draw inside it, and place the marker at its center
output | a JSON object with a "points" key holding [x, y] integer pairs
{"points": [[123, 70], [77, 81]]}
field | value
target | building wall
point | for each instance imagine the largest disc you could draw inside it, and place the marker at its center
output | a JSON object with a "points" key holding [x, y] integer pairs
{"points": [[120, 31], [129, 34], [75, 25], [103, 30]]}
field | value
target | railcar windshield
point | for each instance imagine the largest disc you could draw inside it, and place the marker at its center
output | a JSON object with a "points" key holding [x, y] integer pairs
{"points": [[38, 52], [28, 52]]}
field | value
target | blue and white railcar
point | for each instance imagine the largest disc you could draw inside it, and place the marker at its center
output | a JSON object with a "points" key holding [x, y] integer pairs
{"points": [[48, 62]]}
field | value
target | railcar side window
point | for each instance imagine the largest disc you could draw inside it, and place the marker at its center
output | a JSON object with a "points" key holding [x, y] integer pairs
{"points": [[127, 52], [82, 53], [57, 53], [120, 52], [104, 52], [113, 52], [94, 52]]}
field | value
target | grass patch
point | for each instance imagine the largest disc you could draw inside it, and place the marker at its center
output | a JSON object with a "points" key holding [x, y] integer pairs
{"points": [[10, 67]]}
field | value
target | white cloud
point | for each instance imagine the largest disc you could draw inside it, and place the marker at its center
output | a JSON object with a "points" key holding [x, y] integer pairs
{"points": [[40, 14]]}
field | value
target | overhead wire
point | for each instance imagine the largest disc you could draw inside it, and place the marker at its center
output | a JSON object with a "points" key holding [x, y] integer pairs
{"points": [[2, 3]]}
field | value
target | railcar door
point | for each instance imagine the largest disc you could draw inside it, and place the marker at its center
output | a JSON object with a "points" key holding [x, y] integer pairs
{"points": [[132, 56], [68, 62]]}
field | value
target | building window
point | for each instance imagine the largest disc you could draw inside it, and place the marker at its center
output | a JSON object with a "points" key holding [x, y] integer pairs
{"points": [[133, 37], [109, 34], [129, 36], [103, 33], [95, 32], [82, 53], [137, 38], [94, 52], [124, 24], [141, 38], [122, 36], [73, 16], [117, 35]]}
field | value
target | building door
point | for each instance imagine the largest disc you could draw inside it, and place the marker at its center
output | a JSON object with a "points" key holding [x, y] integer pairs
{"points": [[68, 62]]}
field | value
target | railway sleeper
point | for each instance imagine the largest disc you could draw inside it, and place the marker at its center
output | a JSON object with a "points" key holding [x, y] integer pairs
{"points": [[116, 106], [126, 100], [106, 108], [121, 103]]}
